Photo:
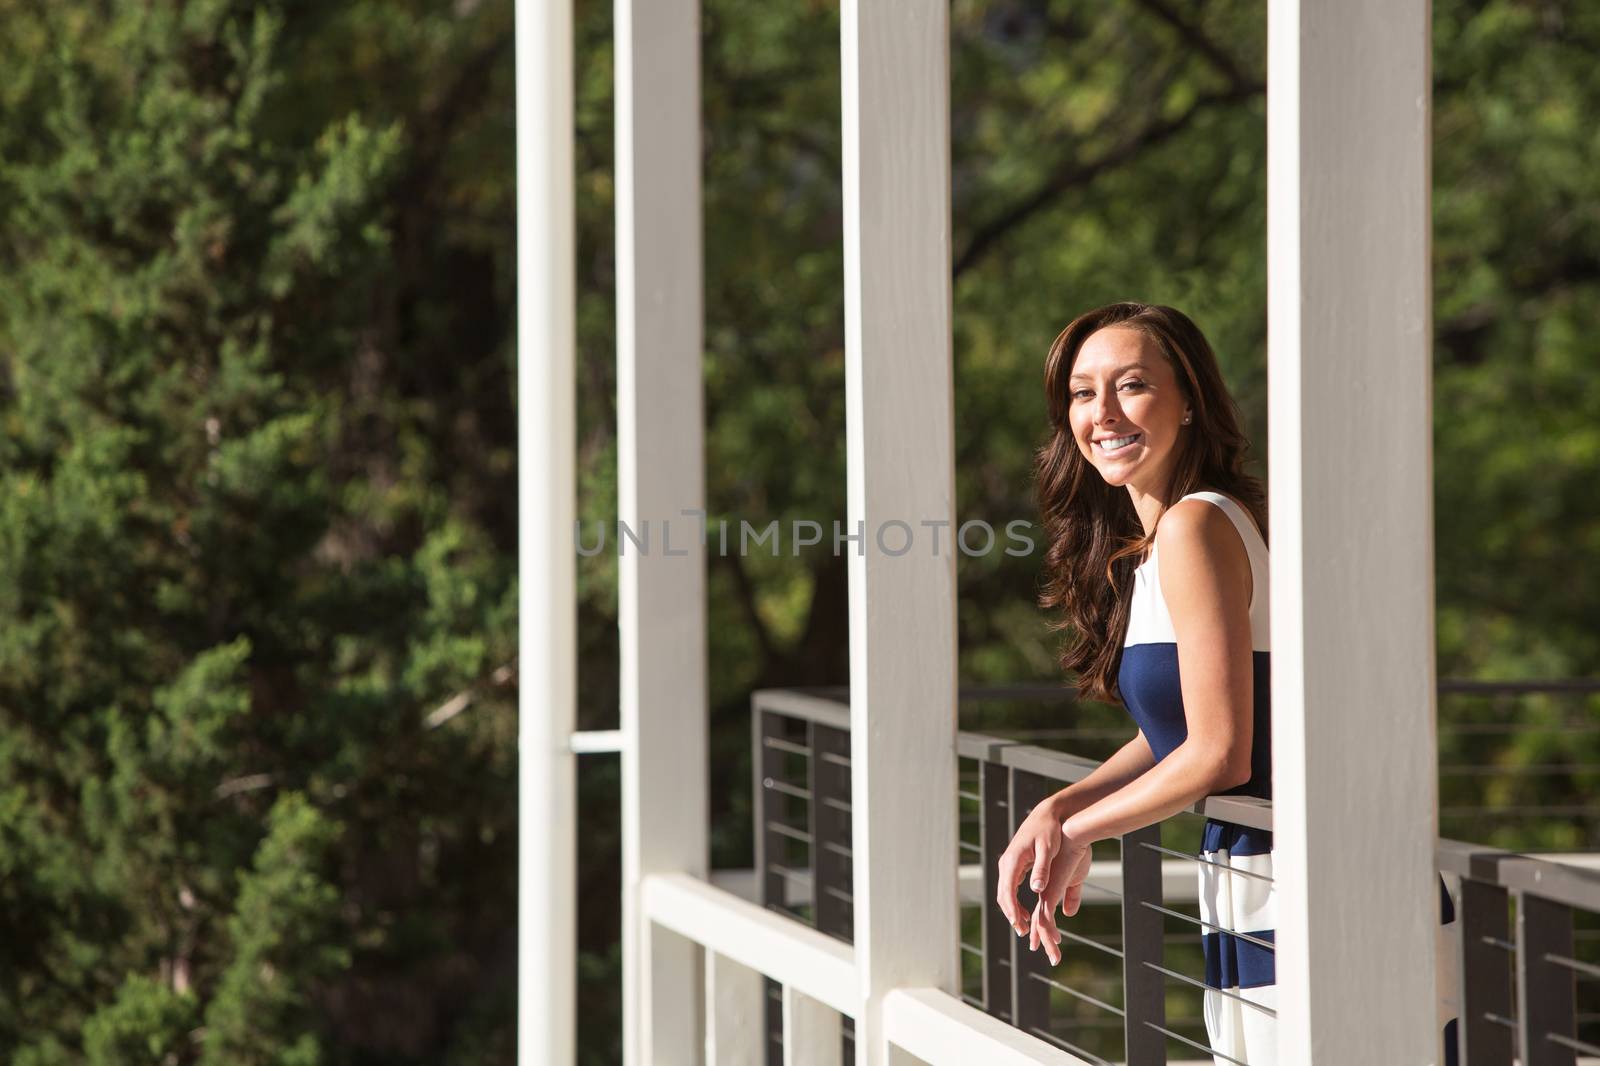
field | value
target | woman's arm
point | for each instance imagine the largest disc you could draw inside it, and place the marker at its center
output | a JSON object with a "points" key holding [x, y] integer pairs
{"points": [[1205, 580], [1130, 760]]}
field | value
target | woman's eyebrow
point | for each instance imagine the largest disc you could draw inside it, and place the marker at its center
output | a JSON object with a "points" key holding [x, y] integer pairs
{"points": [[1114, 373]]}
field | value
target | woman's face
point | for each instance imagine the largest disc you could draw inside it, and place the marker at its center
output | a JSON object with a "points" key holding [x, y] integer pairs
{"points": [[1123, 387]]}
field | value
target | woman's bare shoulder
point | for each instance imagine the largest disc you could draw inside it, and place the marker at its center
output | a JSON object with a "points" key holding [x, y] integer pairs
{"points": [[1200, 550]]}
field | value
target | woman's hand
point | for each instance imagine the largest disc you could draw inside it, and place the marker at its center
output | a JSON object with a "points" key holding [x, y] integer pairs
{"points": [[1057, 867], [1033, 847], [1063, 888]]}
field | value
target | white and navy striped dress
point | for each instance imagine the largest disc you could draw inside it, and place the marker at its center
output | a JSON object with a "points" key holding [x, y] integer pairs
{"points": [[1229, 904]]}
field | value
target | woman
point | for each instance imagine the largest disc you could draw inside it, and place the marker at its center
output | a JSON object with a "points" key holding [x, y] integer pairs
{"points": [[1147, 453], [1146, 436]]}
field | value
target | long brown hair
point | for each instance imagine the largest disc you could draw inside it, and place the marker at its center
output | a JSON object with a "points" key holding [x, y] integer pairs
{"points": [[1093, 537]]}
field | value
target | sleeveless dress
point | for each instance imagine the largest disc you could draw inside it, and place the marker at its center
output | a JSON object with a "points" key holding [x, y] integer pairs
{"points": [[1238, 968], [1236, 890]]}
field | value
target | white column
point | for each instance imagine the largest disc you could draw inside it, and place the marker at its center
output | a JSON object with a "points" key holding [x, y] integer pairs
{"points": [[900, 456], [812, 1031], [546, 507], [736, 1032], [1353, 695], [660, 474]]}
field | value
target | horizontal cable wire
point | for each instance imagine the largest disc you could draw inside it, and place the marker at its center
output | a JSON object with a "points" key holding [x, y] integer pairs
{"points": [[1199, 1047], [1113, 893], [1208, 862], [779, 744], [790, 831], [1186, 979], [1070, 1047], [1102, 1004], [787, 789], [1575, 1045], [1584, 969], [1269, 945], [1108, 949]]}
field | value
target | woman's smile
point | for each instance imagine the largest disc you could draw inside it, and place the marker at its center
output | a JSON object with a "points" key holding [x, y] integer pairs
{"points": [[1114, 446]]}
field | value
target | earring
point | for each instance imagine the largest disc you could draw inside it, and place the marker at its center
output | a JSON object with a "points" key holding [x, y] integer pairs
{"points": [[1186, 420]]}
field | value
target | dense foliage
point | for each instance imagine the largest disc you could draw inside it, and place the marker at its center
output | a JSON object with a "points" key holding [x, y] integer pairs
{"points": [[257, 527]]}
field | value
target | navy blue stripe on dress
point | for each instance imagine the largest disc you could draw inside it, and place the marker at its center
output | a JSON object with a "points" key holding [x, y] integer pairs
{"points": [[1231, 960]]}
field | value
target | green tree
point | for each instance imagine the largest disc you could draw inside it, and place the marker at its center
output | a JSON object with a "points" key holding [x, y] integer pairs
{"points": [[257, 581]]}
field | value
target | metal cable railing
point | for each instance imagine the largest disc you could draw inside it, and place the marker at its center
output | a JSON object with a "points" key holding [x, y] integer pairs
{"points": [[1109, 1002]]}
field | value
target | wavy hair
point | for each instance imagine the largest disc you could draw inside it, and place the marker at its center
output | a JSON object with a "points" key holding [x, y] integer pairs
{"points": [[1093, 537]]}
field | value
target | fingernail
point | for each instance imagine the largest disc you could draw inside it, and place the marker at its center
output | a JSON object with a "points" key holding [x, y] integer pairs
{"points": [[1037, 885]]}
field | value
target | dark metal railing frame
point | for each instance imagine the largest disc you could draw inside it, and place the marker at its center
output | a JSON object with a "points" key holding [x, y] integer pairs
{"points": [[1535, 968]]}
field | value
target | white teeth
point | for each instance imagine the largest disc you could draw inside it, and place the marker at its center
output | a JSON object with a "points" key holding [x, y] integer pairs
{"points": [[1116, 443]]}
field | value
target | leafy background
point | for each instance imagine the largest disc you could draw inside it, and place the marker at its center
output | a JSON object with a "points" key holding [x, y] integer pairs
{"points": [[257, 457]]}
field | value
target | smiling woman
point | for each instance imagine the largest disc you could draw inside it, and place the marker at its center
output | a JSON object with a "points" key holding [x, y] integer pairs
{"points": [[1146, 372], [1145, 435], [1146, 440]]}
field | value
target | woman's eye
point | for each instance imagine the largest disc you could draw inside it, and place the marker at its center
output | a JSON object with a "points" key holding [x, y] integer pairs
{"points": [[1080, 392], [1135, 384]]}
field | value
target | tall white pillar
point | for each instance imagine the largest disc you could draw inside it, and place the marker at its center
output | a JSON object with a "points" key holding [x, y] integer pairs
{"points": [[660, 475], [546, 507], [1349, 312], [901, 468]]}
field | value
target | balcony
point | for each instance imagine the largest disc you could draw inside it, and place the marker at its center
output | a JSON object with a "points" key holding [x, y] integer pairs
{"points": [[1519, 955], [866, 920]]}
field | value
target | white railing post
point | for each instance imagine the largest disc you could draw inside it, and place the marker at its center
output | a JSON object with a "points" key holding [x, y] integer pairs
{"points": [[1350, 332], [812, 1032], [900, 460], [660, 475], [546, 507], [736, 999]]}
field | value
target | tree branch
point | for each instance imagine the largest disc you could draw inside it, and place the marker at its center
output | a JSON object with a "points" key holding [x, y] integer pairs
{"points": [[1196, 38], [1075, 174]]}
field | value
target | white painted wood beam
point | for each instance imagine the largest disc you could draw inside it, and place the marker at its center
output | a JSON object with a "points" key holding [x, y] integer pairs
{"points": [[900, 462], [941, 1030], [1353, 687], [812, 1033], [546, 509], [736, 1033], [778, 946], [660, 474]]}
